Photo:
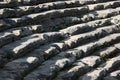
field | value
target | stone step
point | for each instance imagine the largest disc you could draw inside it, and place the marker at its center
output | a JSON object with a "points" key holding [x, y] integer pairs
{"points": [[16, 51], [17, 33], [59, 39], [73, 41], [25, 10], [53, 23], [100, 14], [11, 23], [16, 3], [43, 55], [85, 27], [6, 38], [109, 51], [81, 39], [113, 76], [102, 70], [80, 28], [27, 44], [80, 67], [65, 59], [38, 17]]}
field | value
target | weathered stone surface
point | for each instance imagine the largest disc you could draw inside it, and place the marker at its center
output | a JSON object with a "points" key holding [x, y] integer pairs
{"points": [[80, 67], [3, 58], [102, 70], [100, 14], [24, 10], [113, 76], [34, 18], [65, 59], [80, 28], [76, 53], [6, 38], [100, 32], [28, 43], [31, 19], [109, 51], [59, 39]]}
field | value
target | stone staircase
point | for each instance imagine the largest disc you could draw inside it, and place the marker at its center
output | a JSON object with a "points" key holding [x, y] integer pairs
{"points": [[59, 39]]}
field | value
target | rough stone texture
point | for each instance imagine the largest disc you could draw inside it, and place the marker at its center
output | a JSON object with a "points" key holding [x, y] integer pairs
{"points": [[59, 39], [54, 5], [80, 67], [113, 76], [102, 70], [29, 43]]}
